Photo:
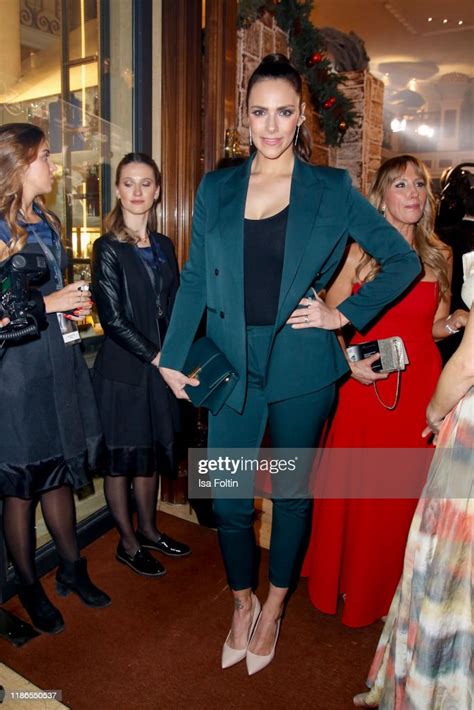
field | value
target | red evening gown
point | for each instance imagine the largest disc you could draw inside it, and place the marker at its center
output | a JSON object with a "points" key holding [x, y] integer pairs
{"points": [[357, 545]]}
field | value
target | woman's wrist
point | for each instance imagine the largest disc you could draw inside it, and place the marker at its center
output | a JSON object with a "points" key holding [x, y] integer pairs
{"points": [[156, 360], [433, 417], [449, 327], [48, 304], [341, 319]]}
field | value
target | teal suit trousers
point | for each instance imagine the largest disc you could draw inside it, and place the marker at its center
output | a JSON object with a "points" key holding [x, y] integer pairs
{"points": [[295, 422]]}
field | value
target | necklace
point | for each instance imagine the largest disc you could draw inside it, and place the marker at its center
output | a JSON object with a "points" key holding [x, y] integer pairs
{"points": [[144, 241]]}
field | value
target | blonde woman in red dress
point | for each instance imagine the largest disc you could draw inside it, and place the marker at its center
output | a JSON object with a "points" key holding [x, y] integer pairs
{"points": [[357, 545]]}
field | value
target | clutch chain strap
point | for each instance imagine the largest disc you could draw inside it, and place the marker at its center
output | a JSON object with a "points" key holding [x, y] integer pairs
{"points": [[391, 407]]}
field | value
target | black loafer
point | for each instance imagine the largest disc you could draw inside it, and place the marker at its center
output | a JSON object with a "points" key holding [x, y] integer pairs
{"points": [[141, 562], [165, 544]]}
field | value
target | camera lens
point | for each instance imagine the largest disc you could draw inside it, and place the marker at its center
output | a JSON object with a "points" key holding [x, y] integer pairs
{"points": [[18, 261]]}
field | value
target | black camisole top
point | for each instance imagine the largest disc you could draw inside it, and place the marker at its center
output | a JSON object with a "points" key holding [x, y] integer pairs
{"points": [[264, 247]]}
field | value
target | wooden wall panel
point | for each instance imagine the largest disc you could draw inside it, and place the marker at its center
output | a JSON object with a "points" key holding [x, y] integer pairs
{"points": [[181, 138], [220, 77]]}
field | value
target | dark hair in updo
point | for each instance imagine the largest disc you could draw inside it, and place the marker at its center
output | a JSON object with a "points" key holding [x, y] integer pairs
{"points": [[277, 66]]}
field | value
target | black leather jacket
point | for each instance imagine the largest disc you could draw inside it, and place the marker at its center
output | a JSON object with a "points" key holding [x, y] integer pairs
{"points": [[126, 302]]}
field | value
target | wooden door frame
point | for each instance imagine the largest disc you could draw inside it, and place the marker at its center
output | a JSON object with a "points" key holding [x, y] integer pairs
{"points": [[220, 78], [198, 104], [181, 118]]}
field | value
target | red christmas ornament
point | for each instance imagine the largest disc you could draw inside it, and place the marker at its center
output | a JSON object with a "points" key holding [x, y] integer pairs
{"points": [[313, 59], [329, 103]]}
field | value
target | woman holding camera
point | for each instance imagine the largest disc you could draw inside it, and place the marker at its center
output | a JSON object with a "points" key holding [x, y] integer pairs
{"points": [[357, 545], [134, 283], [50, 432], [266, 236]]}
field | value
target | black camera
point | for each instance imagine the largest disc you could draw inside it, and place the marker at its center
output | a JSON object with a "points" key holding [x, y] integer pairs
{"points": [[457, 196], [16, 300]]}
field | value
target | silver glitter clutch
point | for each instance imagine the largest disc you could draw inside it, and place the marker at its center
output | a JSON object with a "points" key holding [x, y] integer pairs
{"points": [[393, 358], [393, 355]]}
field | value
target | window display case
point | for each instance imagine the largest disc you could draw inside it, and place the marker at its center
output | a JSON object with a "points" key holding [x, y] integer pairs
{"points": [[71, 52]]}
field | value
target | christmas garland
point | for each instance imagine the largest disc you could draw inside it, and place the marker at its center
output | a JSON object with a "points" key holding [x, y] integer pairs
{"points": [[335, 110]]}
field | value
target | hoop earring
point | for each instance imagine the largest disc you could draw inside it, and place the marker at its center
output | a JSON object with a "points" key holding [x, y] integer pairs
{"points": [[297, 134], [250, 136]]}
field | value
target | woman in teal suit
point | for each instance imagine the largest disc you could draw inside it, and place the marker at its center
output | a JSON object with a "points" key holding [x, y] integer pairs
{"points": [[266, 236]]}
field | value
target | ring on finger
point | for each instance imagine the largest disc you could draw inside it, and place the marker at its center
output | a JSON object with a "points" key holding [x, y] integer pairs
{"points": [[306, 318]]}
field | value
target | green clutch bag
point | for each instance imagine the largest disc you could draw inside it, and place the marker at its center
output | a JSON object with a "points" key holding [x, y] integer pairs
{"points": [[217, 378]]}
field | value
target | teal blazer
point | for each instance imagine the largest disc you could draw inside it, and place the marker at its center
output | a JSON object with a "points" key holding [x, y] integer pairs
{"points": [[324, 211]]}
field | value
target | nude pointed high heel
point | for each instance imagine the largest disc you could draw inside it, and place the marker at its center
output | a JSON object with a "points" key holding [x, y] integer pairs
{"points": [[361, 701], [231, 656], [256, 662]]}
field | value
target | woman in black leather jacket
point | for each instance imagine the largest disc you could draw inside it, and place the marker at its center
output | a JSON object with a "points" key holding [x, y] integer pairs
{"points": [[134, 282]]}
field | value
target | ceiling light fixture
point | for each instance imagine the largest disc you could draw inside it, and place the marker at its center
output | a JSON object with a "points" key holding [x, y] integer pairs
{"points": [[444, 21], [397, 125], [425, 130], [430, 19], [460, 22]]}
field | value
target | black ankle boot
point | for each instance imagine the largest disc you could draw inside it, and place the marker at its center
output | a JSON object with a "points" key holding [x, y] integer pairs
{"points": [[44, 616], [73, 577]]}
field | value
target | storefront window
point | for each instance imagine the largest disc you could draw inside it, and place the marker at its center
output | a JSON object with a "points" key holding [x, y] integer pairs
{"points": [[60, 60]]}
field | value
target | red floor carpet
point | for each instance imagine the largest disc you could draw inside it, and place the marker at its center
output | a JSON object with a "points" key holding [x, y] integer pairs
{"points": [[158, 645]]}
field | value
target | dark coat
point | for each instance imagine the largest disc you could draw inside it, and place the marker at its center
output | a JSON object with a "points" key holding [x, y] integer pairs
{"points": [[126, 303], [50, 429]]}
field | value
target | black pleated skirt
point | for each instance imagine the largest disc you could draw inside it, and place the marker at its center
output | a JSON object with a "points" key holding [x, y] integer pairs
{"points": [[139, 423]]}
